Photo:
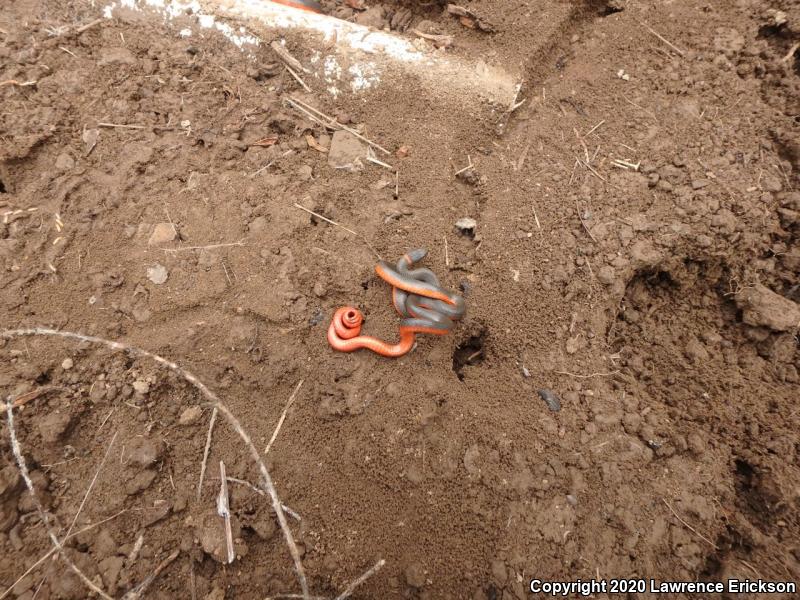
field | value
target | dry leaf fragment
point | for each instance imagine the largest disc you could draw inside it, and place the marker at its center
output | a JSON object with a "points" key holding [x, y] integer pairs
{"points": [[312, 143], [265, 142], [90, 137]]}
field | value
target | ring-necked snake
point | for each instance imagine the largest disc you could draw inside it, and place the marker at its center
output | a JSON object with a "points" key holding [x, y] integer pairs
{"points": [[425, 306], [310, 5]]}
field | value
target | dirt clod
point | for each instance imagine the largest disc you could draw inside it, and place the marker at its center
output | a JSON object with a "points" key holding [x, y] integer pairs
{"points": [[763, 307], [190, 416], [347, 152], [54, 425], [163, 233]]}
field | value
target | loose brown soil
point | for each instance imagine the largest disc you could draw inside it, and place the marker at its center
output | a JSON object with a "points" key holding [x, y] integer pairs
{"points": [[658, 303]]}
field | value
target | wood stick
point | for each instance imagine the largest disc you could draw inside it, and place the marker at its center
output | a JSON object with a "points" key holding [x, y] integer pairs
{"points": [[205, 451], [467, 168], [587, 376], [369, 573], [137, 592], [791, 52], [334, 124], [373, 159], [662, 38], [578, 208], [297, 78], [23, 399], [689, 527], [88, 26], [283, 416], [91, 486], [286, 56], [266, 480], [327, 220], [595, 173], [120, 126], [224, 511], [210, 247], [17, 83], [593, 129]]}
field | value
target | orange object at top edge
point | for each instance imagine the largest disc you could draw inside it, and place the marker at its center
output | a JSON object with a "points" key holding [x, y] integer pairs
{"points": [[300, 4]]}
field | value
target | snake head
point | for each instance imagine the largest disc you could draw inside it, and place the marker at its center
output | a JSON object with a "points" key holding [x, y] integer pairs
{"points": [[412, 257]]}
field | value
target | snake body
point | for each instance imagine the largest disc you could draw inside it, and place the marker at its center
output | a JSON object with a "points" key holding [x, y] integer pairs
{"points": [[417, 296], [310, 5]]}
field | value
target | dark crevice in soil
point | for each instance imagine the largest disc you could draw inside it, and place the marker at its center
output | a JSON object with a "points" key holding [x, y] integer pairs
{"points": [[753, 494], [605, 8], [469, 353], [730, 541], [3, 187]]}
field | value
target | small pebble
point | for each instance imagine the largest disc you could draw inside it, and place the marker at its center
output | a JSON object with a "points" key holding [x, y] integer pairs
{"points": [[466, 226], [572, 500], [525, 371], [551, 399], [190, 416], [157, 274], [162, 234], [67, 364], [141, 387]]}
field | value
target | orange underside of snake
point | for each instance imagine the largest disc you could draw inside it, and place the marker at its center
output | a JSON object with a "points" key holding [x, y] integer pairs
{"points": [[344, 333], [296, 4]]}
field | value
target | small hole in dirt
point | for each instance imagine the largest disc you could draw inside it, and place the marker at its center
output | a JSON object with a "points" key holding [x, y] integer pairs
{"points": [[606, 7], [745, 472], [468, 354], [768, 31], [3, 187]]}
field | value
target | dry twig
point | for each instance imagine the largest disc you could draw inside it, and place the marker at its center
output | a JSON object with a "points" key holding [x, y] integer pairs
{"points": [[224, 511], [369, 573], [287, 57], [266, 479], [580, 216], [23, 399], [689, 527], [283, 416], [206, 450], [297, 78], [331, 123], [17, 83], [662, 38], [210, 247], [327, 220], [609, 374], [137, 592], [91, 485]]}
